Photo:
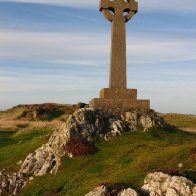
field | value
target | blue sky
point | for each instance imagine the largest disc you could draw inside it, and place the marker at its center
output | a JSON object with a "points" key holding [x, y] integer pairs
{"points": [[58, 51]]}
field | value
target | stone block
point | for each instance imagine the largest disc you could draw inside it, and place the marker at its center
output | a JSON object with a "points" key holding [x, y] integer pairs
{"points": [[116, 93], [122, 104]]}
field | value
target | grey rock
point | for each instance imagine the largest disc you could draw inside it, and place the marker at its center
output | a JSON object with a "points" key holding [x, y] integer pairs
{"points": [[194, 190], [31, 178], [128, 192], [11, 181], [117, 127], [19, 162], [162, 184], [144, 120], [99, 191]]}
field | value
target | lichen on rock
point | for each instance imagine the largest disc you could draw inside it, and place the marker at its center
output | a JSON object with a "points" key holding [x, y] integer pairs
{"points": [[159, 183]]}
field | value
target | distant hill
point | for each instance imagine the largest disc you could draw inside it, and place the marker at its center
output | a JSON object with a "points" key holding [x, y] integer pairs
{"points": [[35, 115]]}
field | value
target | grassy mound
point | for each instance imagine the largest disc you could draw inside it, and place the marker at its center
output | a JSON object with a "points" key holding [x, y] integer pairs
{"points": [[125, 160], [28, 117]]}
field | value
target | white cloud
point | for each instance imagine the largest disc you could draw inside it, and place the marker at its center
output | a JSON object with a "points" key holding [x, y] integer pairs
{"points": [[91, 49], [75, 3], [177, 5], [57, 47]]}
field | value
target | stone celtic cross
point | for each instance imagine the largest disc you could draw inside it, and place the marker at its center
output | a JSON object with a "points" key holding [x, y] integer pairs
{"points": [[118, 96], [118, 12]]}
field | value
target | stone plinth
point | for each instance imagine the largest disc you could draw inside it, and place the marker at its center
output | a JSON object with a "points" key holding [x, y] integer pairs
{"points": [[123, 104], [124, 99], [116, 93]]}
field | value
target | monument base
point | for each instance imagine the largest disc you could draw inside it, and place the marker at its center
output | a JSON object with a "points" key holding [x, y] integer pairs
{"points": [[118, 93], [123, 99]]}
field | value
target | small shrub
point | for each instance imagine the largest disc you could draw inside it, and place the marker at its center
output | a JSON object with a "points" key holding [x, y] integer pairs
{"points": [[77, 147]]}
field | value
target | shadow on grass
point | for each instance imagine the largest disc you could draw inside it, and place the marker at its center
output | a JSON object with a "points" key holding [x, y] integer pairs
{"points": [[6, 138], [22, 126], [191, 175], [7, 133]]}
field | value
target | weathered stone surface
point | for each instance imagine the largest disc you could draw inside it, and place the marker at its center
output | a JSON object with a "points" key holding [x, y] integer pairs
{"points": [[118, 44], [144, 119], [194, 190], [116, 127], [122, 104], [162, 184], [99, 191], [128, 192], [116, 93], [156, 184], [11, 181]]}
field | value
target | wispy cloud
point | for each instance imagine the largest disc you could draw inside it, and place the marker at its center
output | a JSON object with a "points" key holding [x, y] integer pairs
{"points": [[180, 6], [91, 49]]}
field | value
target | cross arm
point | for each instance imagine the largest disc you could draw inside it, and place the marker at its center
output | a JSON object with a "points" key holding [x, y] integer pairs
{"points": [[132, 8], [129, 16], [105, 4], [107, 15]]}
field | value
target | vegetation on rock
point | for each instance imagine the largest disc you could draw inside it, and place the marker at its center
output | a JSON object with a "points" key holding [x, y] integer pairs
{"points": [[78, 147]]}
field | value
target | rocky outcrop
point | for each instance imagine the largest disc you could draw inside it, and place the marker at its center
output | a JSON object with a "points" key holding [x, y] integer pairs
{"points": [[155, 184], [11, 182], [87, 124], [144, 119], [162, 184]]}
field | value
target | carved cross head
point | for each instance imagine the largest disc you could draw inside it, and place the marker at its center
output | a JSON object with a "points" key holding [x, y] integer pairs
{"points": [[118, 8]]}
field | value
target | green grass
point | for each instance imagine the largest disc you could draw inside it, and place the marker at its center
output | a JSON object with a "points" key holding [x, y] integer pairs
{"points": [[125, 160], [181, 120], [15, 146]]}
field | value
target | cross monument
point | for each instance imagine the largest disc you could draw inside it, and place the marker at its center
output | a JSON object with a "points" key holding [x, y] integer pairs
{"points": [[118, 12]]}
